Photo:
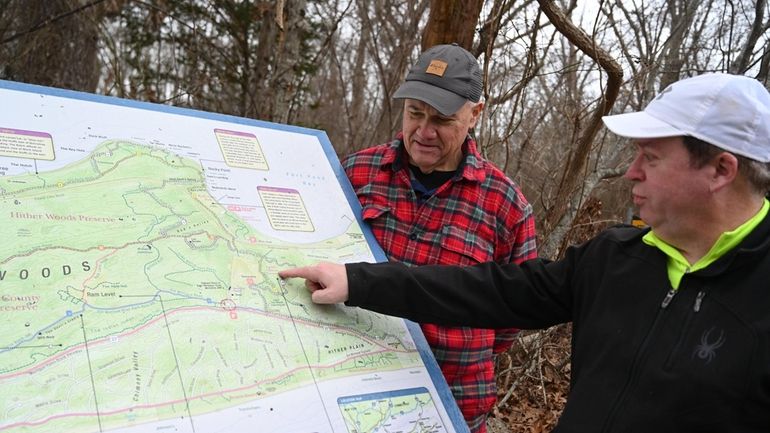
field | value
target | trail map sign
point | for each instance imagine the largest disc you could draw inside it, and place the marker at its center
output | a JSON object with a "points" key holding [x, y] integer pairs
{"points": [[138, 279]]}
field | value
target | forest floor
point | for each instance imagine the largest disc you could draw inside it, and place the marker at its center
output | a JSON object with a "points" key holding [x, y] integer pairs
{"points": [[532, 382]]}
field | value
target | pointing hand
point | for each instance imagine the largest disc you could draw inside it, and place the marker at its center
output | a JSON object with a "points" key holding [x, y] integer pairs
{"points": [[327, 282]]}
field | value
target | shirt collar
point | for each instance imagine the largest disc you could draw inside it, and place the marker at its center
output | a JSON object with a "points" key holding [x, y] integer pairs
{"points": [[678, 264]]}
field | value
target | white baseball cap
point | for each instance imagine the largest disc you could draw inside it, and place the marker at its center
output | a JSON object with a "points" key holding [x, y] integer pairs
{"points": [[731, 112]]}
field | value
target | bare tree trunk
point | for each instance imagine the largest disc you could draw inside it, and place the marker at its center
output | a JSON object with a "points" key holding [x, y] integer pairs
{"points": [[452, 21], [682, 13], [764, 67], [560, 215], [53, 43], [289, 19], [263, 93], [741, 63]]}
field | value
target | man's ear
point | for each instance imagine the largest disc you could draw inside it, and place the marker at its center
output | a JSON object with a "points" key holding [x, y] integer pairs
{"points": [[476, 113], [725, 170]]}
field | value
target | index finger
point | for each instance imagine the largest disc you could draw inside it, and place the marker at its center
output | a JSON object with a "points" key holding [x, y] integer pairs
{"points": [[300, 272]]}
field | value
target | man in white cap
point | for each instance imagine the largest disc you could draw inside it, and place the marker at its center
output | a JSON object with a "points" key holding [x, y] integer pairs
{"points": [[430, 198], [671, 324]]}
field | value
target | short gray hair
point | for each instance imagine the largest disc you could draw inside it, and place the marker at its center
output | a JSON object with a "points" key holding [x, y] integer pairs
{"points": [[756, 173]]}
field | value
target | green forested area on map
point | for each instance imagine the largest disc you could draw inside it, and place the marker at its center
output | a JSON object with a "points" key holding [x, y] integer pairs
{"points": [[130, 295]]}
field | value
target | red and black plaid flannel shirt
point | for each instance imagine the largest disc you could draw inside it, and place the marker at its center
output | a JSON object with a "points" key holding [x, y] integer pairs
{"points": [[479, 215]]}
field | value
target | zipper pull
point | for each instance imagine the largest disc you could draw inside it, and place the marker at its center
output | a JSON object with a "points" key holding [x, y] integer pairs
{"points": [[668, 298], [698, 301]]}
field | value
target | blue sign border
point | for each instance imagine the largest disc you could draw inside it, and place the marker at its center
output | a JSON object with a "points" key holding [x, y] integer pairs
{"points": [[458, 422]]}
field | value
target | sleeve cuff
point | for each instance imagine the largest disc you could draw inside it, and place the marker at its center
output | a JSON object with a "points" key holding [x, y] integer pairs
{"points": [[358, 290]]}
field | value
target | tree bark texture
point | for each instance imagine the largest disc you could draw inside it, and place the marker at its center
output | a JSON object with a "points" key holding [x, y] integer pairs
{"points": [[452, 21]]}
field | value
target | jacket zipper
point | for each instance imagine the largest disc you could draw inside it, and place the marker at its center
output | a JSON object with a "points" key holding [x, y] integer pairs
{"points": [[684, 330], [667, 300], [698, 301], [634, 371]]}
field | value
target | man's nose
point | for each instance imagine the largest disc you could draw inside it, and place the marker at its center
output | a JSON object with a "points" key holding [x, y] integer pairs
{"points": [[427, 130], [634, 171]]}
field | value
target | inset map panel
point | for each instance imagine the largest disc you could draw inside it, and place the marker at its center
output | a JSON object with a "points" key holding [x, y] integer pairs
{"points": [[400, 411]]}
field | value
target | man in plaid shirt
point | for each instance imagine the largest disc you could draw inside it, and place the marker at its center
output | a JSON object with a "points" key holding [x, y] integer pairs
{"points": [[431, 198]]}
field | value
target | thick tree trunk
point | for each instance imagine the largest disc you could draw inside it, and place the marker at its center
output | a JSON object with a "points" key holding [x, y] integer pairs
{"points": [[452, 21], [53, 43]]}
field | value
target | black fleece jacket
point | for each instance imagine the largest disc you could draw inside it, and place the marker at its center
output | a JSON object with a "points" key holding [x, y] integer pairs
{"points": [[645, 358]]}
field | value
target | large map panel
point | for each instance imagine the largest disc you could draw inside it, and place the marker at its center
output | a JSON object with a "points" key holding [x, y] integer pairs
{"points": [[138, 279]]}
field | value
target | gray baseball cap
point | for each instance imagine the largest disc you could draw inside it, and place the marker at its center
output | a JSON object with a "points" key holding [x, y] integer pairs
{"points": [[444, 77]]}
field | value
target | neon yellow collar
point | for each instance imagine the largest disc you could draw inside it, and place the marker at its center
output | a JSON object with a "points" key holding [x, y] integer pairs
{"points": [[677, 265]]}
